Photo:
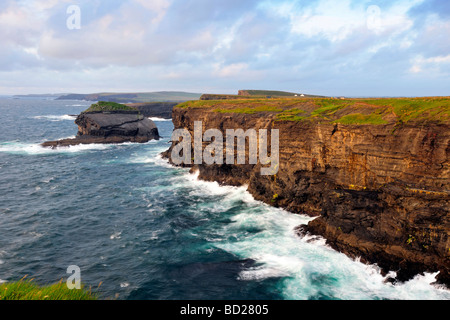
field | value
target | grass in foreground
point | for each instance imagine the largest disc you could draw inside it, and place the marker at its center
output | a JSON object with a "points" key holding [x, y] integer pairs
{"points": [[28, 290]]}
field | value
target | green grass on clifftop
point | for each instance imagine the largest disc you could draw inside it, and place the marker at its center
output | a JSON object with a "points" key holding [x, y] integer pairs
{"points": [[362, 119], [28, 290], [275, 94], [332, 110], [103, 106]]}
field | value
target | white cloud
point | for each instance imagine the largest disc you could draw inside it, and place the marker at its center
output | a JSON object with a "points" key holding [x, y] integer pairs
{"points": [[41, 5], [159, 7], [421, 64], [18, 25], [323, 44], [232, 70], [331, 20], [228, 35], [155, 5], [236, 72], [337, 20], [119, 37]]}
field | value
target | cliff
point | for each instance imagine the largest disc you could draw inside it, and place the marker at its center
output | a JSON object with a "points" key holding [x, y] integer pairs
{"points": [[257, 94], [110, 123], [134, 97], [155, 109], [375, 173], [274, 94]]}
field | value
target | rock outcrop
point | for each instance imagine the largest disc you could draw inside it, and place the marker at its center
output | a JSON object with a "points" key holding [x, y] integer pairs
{"points": [[110, 127], [379, 192]]}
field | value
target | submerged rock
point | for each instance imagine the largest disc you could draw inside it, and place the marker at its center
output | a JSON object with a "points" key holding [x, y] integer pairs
{"points": [[104, 127]]}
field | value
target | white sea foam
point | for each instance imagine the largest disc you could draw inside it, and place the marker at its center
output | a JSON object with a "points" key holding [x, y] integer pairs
{"points": [[151, 158], [56, 117], [160, 161], [69, 137], [48, 180], [37, 149], [116, 235], [2, 254], [210, 188], [309, 268], [35, 235], [156, 119], [261, 274]]}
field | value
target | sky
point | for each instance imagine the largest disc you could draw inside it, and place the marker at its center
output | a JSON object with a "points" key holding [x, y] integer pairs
{"points": [[326, 47]]}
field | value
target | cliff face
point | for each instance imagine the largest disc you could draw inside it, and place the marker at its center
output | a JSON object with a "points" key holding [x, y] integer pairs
{"points": [[155, 109], [380, 192], [110, 127]]}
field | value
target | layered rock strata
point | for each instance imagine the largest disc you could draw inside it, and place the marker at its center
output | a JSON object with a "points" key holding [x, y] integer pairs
{"points": [[379, 192], [110, 127]]}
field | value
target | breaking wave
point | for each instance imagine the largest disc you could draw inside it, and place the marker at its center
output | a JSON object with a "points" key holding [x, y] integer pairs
{"points": [[55, 118]]}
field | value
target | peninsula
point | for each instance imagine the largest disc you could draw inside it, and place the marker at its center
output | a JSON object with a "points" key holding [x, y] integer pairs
{"points": [[374, 172]]}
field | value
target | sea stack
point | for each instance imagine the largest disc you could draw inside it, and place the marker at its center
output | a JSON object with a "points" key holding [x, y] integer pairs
{"points": [[108, 122]]}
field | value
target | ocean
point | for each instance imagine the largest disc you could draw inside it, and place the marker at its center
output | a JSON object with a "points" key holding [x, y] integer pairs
{"points": [[144, 230]]}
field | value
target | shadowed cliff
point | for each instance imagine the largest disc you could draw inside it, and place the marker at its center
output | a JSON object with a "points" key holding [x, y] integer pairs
{"points": [[375, 172]]}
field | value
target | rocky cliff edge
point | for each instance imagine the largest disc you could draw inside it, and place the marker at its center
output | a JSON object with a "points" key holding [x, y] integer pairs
{"points": [[376, 173]]}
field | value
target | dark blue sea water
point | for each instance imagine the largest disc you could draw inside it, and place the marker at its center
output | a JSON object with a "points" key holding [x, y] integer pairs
{"points": [[146, 230]]}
